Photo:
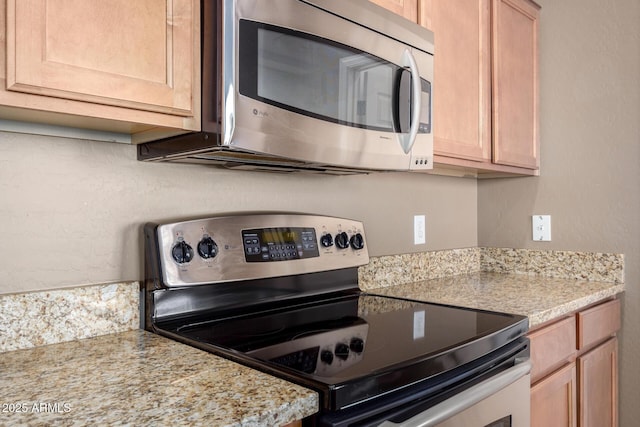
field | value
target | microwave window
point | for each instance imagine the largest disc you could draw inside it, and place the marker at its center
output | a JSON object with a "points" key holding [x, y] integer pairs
{"points": [[322, 79]]}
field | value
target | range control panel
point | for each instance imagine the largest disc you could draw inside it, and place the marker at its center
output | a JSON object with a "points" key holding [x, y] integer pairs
{"points": [[279, 244], [244, 247]]}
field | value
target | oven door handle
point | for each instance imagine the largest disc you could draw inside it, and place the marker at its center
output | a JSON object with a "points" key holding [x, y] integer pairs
{"points": [[465, 399]]}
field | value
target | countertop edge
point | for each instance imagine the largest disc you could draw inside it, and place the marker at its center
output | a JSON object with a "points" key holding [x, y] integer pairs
{"points": [[539, 318]]}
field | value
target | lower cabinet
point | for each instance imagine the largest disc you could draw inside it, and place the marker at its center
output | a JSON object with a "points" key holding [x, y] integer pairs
{"points": [[553, 399], [598, 379], [575, 369]]}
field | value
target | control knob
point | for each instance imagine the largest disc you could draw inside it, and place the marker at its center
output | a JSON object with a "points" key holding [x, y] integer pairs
{"points": [[342, 351], [356, 345], [342, 240], [182, 252], [326, 240], [357, 241], [207, 248], [326, 356]]}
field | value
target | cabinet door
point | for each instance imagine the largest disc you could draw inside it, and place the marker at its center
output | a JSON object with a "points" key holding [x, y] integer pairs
{"points": [[462, 80], [135, 54], [406, 8], [515, 83], [553, 399], [598, 381]]}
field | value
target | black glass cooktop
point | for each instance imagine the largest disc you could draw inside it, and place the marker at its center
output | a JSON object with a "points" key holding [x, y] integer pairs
{"points": [[344, 338]]}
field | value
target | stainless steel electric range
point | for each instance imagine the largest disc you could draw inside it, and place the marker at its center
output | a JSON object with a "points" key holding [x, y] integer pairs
{"points": [[279, 292]]}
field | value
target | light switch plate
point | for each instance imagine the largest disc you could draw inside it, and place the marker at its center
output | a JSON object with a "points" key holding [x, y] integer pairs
{"points": [[541, 228]]}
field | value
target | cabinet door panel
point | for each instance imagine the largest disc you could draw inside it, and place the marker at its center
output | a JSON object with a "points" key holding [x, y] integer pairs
{"points": [[461, 102], [113, 52], [406, 8], [515, 83], [553, 399], [598, 380]]}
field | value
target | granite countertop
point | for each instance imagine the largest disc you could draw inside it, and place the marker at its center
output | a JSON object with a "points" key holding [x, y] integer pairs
{"points": [[540, 298], [139, 378]]}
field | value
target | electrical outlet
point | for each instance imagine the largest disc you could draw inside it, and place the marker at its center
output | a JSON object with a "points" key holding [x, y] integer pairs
{"points": [[419, 232], [541, 228]]}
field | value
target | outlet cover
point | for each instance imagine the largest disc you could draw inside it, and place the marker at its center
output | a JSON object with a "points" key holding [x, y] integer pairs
{"points": [[419, 230], [541, 228]]}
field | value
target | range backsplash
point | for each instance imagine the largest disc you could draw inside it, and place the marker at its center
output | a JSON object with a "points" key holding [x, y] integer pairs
{"points": [[395, 270], [33, 319], [38, 318]]}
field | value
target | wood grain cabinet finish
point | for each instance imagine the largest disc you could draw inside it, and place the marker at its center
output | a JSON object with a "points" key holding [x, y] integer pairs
{"points": [[515, 83], [485, 84], [553, 400], [552, 347], [119, 60], [462, 77], [575, 369], [598, 386], [406, 8], [598, 323]]}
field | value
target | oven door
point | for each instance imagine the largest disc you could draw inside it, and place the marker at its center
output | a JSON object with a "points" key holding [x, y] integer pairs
{"points": [[316, 87], [500, 401]]}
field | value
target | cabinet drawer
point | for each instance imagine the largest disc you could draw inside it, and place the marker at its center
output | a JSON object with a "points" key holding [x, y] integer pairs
{"points": [[551, 347], [598, 323]]}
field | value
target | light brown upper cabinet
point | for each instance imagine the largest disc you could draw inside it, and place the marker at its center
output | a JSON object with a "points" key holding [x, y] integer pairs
{"points": [[406, 8], [119, 65], [485, 84]]}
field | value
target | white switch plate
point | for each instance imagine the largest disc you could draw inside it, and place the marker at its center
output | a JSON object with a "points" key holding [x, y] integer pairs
{"points": [[541, 228], [419, 233]]}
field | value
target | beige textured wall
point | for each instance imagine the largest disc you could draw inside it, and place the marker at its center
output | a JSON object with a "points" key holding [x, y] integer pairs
{"points": [[590, 144], [71, 210]]}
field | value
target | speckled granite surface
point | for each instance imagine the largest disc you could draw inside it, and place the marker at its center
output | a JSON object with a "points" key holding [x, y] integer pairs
{"points": [[142, 379], [592, 266], [540, 298], [398, 269], [385, 271], [38, 318]]}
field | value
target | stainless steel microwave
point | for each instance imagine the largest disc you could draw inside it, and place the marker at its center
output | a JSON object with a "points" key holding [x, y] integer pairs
{"points": [[316, 85]]}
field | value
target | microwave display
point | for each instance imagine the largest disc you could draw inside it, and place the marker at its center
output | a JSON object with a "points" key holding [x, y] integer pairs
{"points": [[323, 79]]}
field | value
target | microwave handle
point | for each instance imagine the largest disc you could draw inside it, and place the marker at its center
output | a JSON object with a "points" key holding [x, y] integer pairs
{"points": [[408, 139]]}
